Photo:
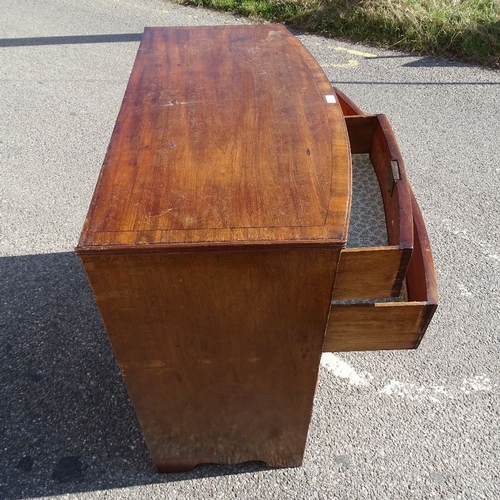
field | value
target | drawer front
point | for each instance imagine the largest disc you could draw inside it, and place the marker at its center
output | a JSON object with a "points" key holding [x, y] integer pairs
{"points": [[390, 325], [378, 326]]}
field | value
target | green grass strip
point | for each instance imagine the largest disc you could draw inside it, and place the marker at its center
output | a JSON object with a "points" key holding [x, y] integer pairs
{"points": [[468, 30]]}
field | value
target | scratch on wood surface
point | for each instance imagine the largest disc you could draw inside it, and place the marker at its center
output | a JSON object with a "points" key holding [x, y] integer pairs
{"points": [[215, 211], [202, 101], [149, 217]]}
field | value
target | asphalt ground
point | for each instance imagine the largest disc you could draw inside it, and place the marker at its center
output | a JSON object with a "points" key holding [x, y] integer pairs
{"points": [[411, 424]]}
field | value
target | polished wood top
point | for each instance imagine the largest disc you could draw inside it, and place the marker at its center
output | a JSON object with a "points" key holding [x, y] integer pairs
{"points": [[227, 135]]}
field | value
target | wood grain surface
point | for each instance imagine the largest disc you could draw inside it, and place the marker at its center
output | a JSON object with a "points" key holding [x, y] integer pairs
{"points": [[225, 136], [370, 273], [373, 134], [213, 238], [378, 272], [390, 325], [219, 350], [349, 107]]}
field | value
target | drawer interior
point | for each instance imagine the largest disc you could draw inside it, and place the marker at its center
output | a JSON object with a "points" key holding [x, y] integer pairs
{"points": [[377, 270], [385, 292]]}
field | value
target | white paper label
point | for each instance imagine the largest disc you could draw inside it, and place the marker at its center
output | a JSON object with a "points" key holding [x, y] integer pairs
{"points": [[330, 99]]}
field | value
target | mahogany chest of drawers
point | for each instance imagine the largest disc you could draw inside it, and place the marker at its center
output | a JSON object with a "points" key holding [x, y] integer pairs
{"points": [[215, 243]]}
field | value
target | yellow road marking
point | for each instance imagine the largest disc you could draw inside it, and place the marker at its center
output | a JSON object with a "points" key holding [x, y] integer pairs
{"points": [[355, 52], [352, 63]]}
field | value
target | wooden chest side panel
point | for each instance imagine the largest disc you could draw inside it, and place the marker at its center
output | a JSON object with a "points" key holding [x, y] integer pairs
{"points": [[219, 350]]}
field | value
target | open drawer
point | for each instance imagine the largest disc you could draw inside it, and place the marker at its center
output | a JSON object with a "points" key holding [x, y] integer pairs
{"points": [[403, 270], [378, 272], [390, 325]]}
